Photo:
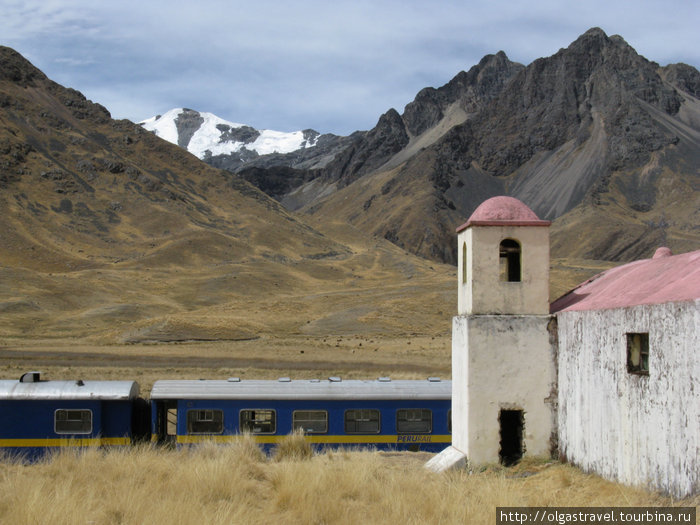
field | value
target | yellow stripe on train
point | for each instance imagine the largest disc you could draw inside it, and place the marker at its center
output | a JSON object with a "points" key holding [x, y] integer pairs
{"points": [[65, 442], [323, 439]]}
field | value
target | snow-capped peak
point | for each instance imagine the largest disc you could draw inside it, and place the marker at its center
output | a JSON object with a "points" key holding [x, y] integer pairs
{"points": [[205, 134]]}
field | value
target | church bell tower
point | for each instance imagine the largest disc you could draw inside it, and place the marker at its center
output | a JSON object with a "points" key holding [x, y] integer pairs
{"points": [[503, 372]]}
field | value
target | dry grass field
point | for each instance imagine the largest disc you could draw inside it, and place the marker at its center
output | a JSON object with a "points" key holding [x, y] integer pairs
{"points": [[237, 484], [266, 357]]}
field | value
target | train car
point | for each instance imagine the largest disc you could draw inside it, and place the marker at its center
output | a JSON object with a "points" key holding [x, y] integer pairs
{"points": [[386, 414], [38, 415]]}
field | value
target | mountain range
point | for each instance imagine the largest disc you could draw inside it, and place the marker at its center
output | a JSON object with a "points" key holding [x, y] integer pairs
{"points": [[109, 232], [595, 137]]}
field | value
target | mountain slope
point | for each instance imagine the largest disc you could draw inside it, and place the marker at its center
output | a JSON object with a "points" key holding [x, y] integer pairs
{"points": [[109, 232], [595, 130]]}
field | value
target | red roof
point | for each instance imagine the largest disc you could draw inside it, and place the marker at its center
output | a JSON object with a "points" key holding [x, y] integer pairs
{"points": [[665, 278], [500, 211]]}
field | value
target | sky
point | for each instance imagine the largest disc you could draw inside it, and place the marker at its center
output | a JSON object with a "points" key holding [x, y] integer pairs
{"points": [[331, 65]]}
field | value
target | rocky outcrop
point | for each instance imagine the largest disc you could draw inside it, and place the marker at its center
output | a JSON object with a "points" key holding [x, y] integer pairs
{"points": [[187, 123], [684, 77]]}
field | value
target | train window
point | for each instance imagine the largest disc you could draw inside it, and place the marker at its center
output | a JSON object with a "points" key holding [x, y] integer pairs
{"points": [[310, 421], [414, 420], [258, 421], [73, 421], [205, 421], [362, 421]]}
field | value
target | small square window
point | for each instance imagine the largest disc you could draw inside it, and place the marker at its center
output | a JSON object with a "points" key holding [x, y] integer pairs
{"points": [[638, 353]]}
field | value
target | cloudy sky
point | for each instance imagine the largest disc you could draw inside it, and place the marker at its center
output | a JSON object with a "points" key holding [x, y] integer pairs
{"points": [[331, 65]]}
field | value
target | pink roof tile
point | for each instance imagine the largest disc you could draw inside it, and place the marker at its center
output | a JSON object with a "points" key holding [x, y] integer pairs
{"points": [[663, 279], [502, 210]]}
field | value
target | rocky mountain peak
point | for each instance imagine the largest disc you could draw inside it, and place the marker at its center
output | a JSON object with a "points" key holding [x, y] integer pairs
{"points": [[594, 124], [472, 90]]}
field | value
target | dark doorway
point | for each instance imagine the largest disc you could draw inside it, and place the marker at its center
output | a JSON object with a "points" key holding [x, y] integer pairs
{"points": [[511, 424]]}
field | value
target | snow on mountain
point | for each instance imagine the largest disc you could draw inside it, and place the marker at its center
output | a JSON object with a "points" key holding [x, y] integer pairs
{"points": [[205, 134]]}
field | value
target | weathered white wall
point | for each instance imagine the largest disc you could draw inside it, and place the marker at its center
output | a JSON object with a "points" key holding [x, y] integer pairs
{"points": [[631, 428], [482, 292], [501, 361]]}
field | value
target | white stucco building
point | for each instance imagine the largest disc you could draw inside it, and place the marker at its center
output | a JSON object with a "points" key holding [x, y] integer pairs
{"points": [[606, 377], [629, 387]]}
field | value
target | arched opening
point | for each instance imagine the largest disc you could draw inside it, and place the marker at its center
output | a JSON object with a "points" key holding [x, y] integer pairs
{"points": [[464, 263], [509, 252]]}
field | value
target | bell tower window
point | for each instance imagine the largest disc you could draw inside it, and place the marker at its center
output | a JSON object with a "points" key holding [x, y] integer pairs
{"points": [[509, 256]]}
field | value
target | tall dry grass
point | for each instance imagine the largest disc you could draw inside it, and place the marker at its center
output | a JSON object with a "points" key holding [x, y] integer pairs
{"points": [[237, 484]]}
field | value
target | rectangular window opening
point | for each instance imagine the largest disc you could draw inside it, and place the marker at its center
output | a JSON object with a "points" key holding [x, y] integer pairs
{"points": [[310, 421], [205, 421], [258, 421], [362, 421], [67, 421], [638, 353], [414, 420]]}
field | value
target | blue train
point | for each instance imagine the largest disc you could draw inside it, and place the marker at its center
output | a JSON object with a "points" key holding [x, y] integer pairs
{"points": [[38, 415]]}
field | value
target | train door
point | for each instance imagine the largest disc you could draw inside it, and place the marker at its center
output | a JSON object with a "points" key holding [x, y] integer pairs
{"points": [[166, 421]]}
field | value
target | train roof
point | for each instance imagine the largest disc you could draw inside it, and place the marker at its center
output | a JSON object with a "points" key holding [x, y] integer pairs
{"points": [[285, 388], [31, 387]]}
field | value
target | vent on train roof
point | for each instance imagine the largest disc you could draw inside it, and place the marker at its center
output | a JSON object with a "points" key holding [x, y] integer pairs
{"points": [[334, 379], [30, 377]]}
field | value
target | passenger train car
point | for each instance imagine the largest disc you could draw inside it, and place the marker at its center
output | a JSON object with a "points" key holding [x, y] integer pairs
{"points": [[386, 414], [38, 415]]}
